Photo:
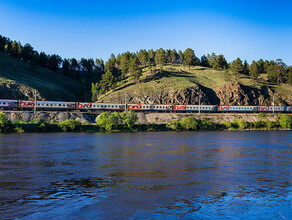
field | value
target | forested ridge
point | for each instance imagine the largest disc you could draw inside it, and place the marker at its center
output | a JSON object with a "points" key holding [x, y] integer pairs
{"points": [[97, 77]]}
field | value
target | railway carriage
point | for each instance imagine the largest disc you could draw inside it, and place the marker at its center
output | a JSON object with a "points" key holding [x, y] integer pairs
{"points": [[228, 108], [8, 104], [272, 108], [288, 109], [202, 108], [51, 105], [57, 105]]}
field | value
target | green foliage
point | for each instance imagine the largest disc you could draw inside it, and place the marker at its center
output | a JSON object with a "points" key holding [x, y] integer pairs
{"points": [[189, 123], [128, 118], [285, 121], [5, 124], [208, 125], [259, 124], [276, 73], [270, 124], [242, 124], [107, 121], [174, 125], [107, 82], [70, 125], [262, 115], [236, 66], [226, 124], [220, 62], [160, 58], [253, 70], [189, 57]]}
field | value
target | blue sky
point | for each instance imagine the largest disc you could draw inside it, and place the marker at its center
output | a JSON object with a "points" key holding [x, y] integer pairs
{"points": [[247, 29]]}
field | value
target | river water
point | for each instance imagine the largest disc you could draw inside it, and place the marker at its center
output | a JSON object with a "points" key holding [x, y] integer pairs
{"points": [[170, 175]]}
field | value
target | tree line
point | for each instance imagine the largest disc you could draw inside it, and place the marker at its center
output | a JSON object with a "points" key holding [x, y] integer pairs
{"points": [[103, 76]]}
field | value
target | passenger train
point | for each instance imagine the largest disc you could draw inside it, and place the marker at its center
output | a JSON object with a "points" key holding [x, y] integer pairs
{"points": [[57, 105]]}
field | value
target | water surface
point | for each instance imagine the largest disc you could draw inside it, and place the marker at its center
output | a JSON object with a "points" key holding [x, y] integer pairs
{"points": [[190, 175]]}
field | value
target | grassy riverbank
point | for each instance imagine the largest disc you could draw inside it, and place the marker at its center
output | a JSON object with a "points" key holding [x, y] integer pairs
{"points": [[126, 122]]}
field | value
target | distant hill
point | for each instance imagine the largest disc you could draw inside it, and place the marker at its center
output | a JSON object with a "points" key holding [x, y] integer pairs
{"points": [[18, 79], [177, 84]]}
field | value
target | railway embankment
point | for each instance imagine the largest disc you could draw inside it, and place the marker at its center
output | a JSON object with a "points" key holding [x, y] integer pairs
{"points": [[142, 118]]}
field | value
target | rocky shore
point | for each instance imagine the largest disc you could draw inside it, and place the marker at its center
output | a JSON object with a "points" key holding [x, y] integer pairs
{"points": [[143, 118]]}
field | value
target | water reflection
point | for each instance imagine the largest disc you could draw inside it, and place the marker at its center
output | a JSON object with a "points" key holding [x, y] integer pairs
{"points": [[146, 175]]}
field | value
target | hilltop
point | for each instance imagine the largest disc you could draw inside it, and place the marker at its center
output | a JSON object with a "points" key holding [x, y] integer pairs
{"points": [[18, 79], [179, 84]]}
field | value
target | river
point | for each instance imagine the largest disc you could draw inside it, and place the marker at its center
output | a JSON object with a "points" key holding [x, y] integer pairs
{"points": [[153, 175]]}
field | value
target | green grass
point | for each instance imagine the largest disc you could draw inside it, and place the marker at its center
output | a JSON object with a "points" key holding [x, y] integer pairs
{"points": [[52, 85], [179, 77]]}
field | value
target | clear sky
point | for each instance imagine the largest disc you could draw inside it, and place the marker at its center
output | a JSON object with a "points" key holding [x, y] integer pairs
{"points": [[94, 29]]}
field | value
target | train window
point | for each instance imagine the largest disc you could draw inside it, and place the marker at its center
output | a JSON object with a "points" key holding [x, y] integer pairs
{"points": [[4, 103]]}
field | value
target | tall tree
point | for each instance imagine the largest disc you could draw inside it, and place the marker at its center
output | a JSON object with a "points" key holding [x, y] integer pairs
{"points": [[173, 56], [134, 68], [220, 62], [107, 82], [43, 60], [253, 70], [16, 49], [143, 57], [212, 59], [27, 53], [181, 56], [160, 58], [189, 57], [276, 71], [205, 61], [236, 66], [66, 67], [245, 68], [54, 62], [261, 66]]}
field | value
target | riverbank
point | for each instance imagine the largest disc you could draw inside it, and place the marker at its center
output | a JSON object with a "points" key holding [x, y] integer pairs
{"points": [[142, 117], [129, 122]]}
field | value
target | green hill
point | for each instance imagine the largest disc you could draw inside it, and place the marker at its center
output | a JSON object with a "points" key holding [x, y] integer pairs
{"points": [[51, 85], [176, 83]]}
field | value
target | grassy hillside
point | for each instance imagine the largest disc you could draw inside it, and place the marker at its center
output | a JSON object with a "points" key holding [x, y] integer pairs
{"points": [[178, 77], [51, 85]]}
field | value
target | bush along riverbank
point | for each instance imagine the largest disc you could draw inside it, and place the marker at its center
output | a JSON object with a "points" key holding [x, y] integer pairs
{"points": [[126, 121]]}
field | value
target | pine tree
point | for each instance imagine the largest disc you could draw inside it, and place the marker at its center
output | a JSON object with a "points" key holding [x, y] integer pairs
{"points": [[253, 70], [181, 56], [260, 64], [107, 81], [160, 58], [236, 66], [205, 61], [245, 67], [66, 67], [220, 62], [173, 56], [16, 49], [212, 59], [189, 57]]}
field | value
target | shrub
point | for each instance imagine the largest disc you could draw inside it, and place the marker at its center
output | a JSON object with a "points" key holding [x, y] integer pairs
{"points": [[285, 121], [174, 125], [5, 124], [242, 124], [262, 115], [70, 125], [258, 124], [270, 124], [128, 119], [107, 121], [226, 124], [207, 125], [234, 124], [189, 123]]}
